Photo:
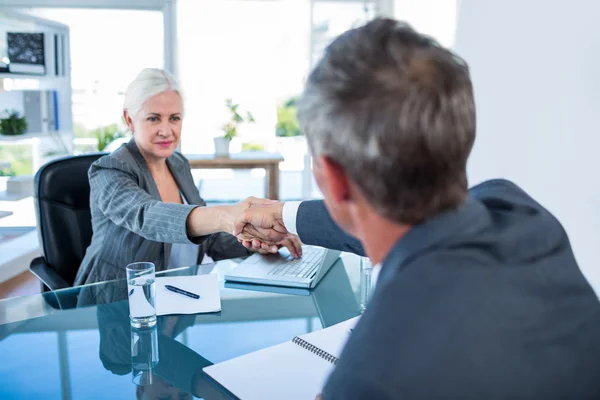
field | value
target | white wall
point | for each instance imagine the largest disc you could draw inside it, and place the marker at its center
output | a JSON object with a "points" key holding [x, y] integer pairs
{"points": [[11, 101], [436, 18], [536, 70]]}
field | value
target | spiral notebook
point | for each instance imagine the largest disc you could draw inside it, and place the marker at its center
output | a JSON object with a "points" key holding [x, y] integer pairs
{"points": [[293, 370]]}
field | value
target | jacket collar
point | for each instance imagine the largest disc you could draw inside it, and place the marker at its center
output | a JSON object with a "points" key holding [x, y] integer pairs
{"points": [[176, 166], [471, 216]]}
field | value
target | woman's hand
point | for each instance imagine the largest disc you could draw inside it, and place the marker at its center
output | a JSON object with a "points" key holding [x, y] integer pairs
{"points": [[292, 242], [206, 220], [227, 216]]}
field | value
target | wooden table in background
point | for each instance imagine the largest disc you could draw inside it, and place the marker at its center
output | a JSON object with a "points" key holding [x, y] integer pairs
{"points": [[245, 160]]}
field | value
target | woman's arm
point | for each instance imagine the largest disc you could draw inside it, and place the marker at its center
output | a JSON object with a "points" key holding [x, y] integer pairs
{"points": [[117, 194]]}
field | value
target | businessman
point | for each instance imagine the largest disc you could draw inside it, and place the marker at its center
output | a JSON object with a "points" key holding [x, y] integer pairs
{"points": [[479, 294]]}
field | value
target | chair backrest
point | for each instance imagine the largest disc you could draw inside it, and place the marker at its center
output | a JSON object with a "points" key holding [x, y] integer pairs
{"points": [[62, 206]]}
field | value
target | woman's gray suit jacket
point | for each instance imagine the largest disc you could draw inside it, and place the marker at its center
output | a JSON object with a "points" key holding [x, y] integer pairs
{"points": [[130, 222]]}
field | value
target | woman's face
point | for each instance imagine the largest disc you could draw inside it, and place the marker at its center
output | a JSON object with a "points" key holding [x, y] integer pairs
{"points": [[157, 126]]}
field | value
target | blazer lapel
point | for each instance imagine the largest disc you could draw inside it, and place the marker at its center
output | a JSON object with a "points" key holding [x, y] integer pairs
{"points": [[143, 165], [182, 175], [152, 189]]}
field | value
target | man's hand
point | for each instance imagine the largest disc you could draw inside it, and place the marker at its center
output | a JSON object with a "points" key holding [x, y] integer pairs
{"points": [[293, 244], [235, 213], [262, 222]]}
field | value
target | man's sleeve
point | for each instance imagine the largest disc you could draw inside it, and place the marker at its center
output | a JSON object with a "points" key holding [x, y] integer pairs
{"points": [[355, 386], [315, 226], [290, 212]]}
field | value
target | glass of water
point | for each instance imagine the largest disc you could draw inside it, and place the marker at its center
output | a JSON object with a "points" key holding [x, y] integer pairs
{"points": [[366, 271], [141, 290], [144, 355]]}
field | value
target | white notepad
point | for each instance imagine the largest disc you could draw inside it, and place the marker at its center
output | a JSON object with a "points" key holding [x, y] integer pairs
{"points": [[206, 286], [293, 370]]}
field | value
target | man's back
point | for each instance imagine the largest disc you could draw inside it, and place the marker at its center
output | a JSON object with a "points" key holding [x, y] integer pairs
{"points": [[483, 302]]}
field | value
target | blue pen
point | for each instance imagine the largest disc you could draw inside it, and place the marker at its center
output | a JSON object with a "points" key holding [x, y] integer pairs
{"points": [[181, 291]]}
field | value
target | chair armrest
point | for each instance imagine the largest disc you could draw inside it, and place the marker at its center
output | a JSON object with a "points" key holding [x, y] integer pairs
{"points": [[47, 275]]}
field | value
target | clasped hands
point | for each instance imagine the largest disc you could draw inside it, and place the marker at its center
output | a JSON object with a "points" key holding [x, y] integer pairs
{"points": [[259, 227]]}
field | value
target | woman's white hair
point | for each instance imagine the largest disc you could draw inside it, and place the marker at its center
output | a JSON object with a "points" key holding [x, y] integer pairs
{"points": [[148, 83]]}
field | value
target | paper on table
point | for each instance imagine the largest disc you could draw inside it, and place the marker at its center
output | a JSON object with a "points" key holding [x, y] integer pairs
{"points": [[332, 339], [286, 371], [206, 286]]}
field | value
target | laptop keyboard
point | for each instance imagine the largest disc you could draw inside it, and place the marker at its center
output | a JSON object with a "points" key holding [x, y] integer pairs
{"points": [[303, 267]]}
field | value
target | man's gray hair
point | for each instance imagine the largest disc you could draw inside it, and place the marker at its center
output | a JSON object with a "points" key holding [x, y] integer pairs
{"points": [[395, 110]]}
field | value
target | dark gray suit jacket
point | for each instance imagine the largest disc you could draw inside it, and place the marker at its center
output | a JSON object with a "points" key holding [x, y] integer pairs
{"points": [[130, 222], [483, 302]]}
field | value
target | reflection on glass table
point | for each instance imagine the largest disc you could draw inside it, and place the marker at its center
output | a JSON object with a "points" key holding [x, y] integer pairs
{"points": [[77, 343]]}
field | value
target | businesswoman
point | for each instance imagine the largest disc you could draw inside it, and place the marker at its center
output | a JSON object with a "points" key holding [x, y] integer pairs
{"points": [[144, 204]]}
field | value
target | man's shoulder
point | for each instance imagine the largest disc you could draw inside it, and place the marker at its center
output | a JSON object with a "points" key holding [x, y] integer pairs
{"points": [[502, 190], [520, 228], [431, 329]]}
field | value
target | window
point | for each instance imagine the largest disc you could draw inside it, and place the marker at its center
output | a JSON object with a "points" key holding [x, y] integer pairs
{"points": [[259, 54], [108, 48]]}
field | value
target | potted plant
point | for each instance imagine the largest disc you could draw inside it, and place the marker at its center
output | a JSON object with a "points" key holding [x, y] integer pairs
{"points": [[287, 121], [230, 129], [290, 141], [13, 125]]}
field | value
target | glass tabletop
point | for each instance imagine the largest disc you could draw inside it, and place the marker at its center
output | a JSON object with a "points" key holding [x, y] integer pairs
{"points": [[77, 343]]}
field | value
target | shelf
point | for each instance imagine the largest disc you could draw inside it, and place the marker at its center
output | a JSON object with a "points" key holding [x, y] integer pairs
{"points": [[4, 75], [23, 137], [27, 136]]}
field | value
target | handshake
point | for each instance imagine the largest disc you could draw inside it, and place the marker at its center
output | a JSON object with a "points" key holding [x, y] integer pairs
{"points": [[258, 225]]}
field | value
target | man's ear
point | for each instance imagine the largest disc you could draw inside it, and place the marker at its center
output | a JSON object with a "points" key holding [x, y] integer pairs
{"points": [[339, 185], [128, 120]]}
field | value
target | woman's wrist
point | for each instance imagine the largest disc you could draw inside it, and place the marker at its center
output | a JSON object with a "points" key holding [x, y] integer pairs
{"points": [[206, 220], [226, 216]]}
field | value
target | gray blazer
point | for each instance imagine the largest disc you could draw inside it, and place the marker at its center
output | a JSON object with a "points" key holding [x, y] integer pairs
{"points": [[130, 222]]}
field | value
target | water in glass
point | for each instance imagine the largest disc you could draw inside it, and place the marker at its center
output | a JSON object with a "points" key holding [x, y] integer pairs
{"points": [[141, 288]]}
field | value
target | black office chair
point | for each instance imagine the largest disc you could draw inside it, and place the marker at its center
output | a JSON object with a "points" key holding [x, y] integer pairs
{"points": [[64, 222]]}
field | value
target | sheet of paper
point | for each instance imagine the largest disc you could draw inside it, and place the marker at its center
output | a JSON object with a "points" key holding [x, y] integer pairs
{"points": [[206, 286], [332, 339], [286, 371]]}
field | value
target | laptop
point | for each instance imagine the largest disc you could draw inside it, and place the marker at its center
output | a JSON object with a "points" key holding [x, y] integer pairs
{"points": [[334, 298], [283, 270]]}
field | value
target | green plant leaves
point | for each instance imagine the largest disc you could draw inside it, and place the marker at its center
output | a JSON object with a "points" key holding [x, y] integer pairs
{"points": [[13, 125], [231, 127]]}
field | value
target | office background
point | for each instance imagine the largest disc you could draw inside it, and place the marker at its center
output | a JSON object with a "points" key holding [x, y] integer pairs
{"points": [[534, 65]]}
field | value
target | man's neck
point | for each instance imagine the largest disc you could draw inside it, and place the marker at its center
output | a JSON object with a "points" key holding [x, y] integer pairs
{"points": [[379, 235]]}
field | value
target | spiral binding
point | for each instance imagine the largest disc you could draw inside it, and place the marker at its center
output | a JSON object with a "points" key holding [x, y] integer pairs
{"points": [[315, 350]]}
